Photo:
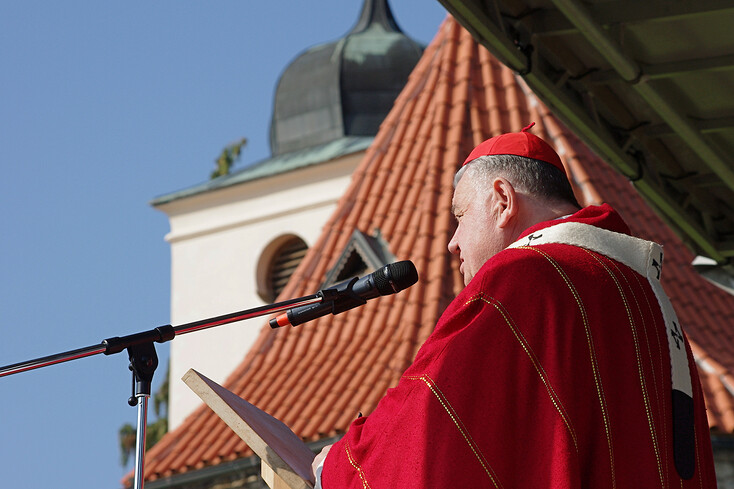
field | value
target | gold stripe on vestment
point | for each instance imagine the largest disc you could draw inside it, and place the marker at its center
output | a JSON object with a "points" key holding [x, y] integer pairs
{"points": [[555, 398], [357, 467], [592, 354], [660, 401], [459, 425], [638, 359]]}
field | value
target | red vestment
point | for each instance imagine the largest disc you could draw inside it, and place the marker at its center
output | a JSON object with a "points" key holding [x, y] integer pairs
{"points": [[550, 369]]}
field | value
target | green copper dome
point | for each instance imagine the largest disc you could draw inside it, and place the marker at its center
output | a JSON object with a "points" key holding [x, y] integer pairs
{"points": [[346, 87]]}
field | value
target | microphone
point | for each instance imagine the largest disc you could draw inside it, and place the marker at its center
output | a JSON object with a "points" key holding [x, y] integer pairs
{"points": [[351, 293]]}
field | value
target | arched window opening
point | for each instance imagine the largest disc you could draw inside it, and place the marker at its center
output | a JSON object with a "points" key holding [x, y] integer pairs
{"points": [[278, 263]]}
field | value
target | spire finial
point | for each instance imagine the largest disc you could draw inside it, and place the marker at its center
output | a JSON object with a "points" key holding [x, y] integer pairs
{"points": [[376, 12]]}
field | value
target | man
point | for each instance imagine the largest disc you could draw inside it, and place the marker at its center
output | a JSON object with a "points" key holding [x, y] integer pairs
{"points": [[560, 365]]}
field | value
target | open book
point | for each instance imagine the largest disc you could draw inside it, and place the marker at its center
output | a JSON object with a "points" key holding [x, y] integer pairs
{"points": [[286, 460]]}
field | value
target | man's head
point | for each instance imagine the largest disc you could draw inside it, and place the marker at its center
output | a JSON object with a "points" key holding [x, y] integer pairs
{"points": [[507, 184]]}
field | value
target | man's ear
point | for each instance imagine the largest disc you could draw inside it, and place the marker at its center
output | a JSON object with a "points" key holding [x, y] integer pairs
{"points": [[506, 201]]}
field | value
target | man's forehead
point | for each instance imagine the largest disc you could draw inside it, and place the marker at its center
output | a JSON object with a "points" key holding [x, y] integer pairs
{"points": [[461, 197]]}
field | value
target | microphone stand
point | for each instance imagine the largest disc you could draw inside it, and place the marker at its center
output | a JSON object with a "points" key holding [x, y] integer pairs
{"points": [[144, 361]]}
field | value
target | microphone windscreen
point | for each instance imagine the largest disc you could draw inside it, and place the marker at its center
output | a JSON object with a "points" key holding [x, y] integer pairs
{"points": [[395, 277]]}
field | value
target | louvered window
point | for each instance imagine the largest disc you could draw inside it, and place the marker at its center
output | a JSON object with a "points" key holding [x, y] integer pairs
{"points": [[354, 267], [362, 254], [284, 262]]}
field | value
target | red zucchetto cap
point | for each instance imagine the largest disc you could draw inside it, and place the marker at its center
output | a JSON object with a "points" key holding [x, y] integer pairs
{"points": [[518, 144]]}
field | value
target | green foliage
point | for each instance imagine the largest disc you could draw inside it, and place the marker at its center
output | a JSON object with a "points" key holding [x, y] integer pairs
{"points": [[155, 431], [229, 156], [127, 443]]}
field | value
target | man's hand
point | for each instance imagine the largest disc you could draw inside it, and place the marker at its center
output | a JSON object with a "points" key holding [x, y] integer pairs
{"points": [[317, 461]]}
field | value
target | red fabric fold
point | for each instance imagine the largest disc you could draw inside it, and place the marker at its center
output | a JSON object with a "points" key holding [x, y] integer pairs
{"points": [[550, 369]]}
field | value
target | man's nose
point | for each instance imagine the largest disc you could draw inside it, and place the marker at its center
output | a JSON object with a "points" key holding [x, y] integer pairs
{"points": [[454, 245]]}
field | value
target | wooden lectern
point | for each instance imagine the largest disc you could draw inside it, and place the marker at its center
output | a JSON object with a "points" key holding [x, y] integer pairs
{"points": [[285, 459]]}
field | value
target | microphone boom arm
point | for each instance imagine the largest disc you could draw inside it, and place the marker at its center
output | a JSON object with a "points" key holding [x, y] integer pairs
{"points": [[160, 334], [334, 300]]}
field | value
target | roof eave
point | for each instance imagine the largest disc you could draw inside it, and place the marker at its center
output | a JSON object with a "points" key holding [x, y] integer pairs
{"points": [[273, 166]]}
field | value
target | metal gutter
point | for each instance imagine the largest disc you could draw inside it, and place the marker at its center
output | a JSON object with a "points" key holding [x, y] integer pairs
{"points": [[631, 72]]}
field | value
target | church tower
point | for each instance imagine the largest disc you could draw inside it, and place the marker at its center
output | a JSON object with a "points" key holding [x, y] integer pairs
{"points": [[236, 240]]}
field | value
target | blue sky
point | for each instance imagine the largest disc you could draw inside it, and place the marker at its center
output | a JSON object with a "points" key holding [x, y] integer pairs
{"points": [[103, 106]]}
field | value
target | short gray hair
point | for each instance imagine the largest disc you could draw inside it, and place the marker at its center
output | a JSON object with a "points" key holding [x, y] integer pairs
{"points": [[534, 177]]}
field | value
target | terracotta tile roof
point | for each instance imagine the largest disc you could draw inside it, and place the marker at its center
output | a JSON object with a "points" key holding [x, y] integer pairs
{"points": [[318, 376]]}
